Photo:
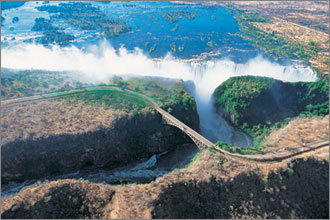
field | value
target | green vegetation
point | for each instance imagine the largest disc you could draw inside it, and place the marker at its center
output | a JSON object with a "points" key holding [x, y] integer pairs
{"points": [[173, 16], [118, 81], [152, 49], [195, 158], [181, 48], [173, 47], [210, 44], [258, 105], [154, 19], [202, 38], [55, 37], [28, 83], [86, 17], [273, 45], [170, 95], [239, 150], [51, 34], [290, 171], [253, 17], [2, 20], [169, 17], [15, 20], [175, 28], [122, 182], [265, 179], [147, 44], [179, 98], [42, 24], [106, 97]]}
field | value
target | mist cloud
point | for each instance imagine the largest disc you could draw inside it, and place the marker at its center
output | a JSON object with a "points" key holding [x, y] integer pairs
{"points": [[101, 62]]}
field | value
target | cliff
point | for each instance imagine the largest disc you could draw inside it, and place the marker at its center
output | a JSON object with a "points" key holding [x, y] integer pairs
{"points": [[80, 136], [214, 186], [249, 101]]}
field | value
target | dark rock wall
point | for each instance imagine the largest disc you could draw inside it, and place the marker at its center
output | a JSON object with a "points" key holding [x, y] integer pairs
{"points": [[270, 100], [302, 191], [128, 138]]}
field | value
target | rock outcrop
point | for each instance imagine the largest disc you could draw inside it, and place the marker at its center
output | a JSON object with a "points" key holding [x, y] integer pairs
{"points": [[128, 137]]}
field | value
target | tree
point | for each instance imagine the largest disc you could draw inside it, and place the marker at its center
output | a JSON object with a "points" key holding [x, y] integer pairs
{"points": [[120, 82]]}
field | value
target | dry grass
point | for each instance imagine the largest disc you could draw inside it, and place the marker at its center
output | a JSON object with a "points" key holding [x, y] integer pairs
{"points": [[297, 22], [300, 12], [298, 34], [141, 201], [137, 201], [52, 117], [298, 132], [59, 199]]}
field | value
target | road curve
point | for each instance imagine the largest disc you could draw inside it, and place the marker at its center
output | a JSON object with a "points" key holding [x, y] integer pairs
{"points": [[279, 155]]}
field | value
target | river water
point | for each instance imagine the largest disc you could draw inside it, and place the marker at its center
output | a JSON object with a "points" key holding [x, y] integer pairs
{"points": [[143, 170], [205, 66]]}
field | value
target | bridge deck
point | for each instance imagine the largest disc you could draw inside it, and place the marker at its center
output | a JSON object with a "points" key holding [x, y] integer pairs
{"points": [[189, 131]]}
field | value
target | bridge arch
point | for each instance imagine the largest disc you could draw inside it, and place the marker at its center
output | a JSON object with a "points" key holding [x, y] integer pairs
{"points": [[188, 131]]}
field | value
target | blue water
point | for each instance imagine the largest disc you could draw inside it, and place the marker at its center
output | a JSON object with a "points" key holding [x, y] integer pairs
{"points": [[214, 24], [138, 15]]}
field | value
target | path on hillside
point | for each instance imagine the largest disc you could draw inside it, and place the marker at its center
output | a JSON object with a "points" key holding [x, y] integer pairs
{"points": [[198, 139]]}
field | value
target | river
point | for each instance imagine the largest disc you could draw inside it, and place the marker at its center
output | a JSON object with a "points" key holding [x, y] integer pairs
{"points": [[201, 64]]}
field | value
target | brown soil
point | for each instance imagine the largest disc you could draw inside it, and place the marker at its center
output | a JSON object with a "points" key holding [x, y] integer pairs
{"points": [[312, 14], [214, 186], [299, 131]]}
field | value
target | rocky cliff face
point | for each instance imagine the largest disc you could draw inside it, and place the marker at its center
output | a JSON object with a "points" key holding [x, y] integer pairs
{"points": [[128, 137], [260, 100], [293, 193], [296, 188]]}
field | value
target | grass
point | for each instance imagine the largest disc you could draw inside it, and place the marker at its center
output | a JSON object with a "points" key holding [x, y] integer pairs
{"points": [[152, 49], [199, 153], [166, 93], [175, 28], [106, 97], [210, 44], [28, 83], [194, 158], [173, 47], [265, 179], [249, 150]]}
